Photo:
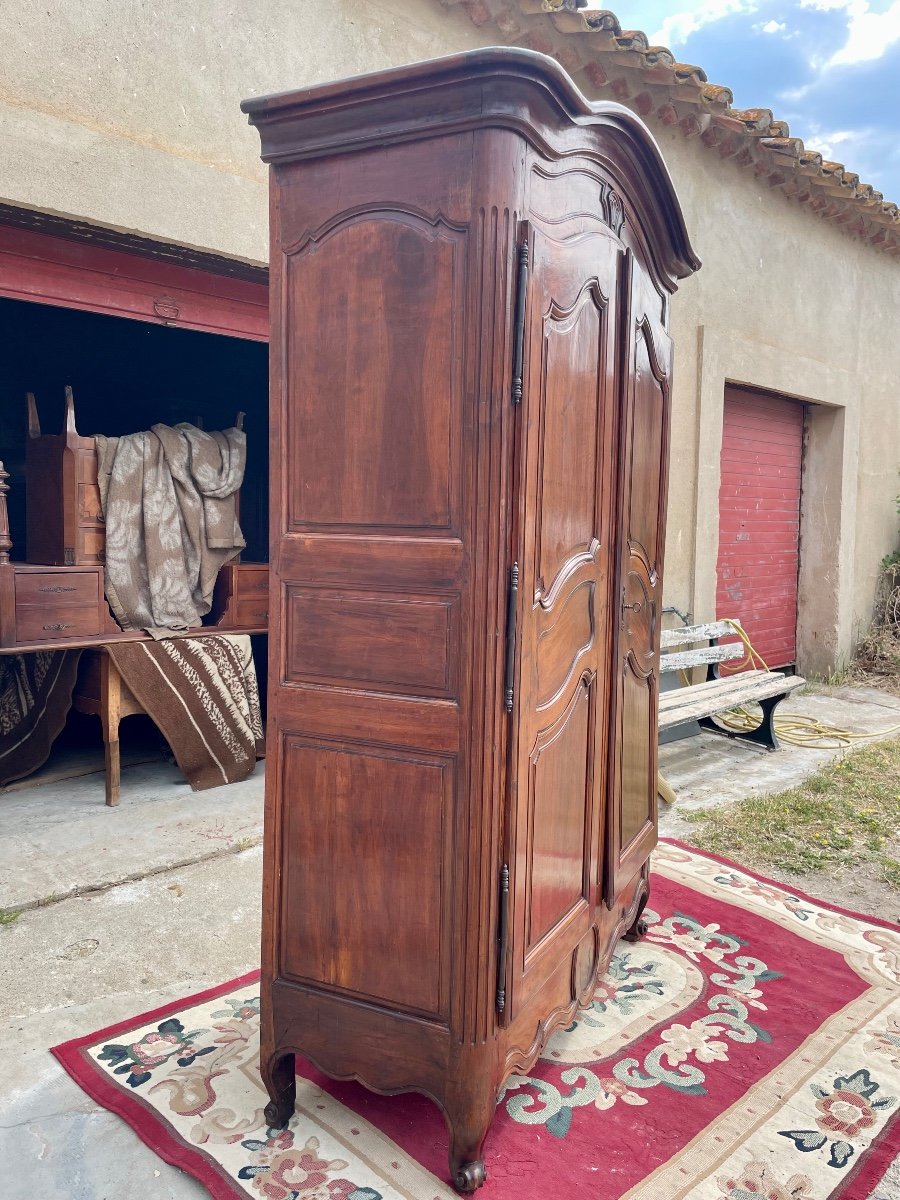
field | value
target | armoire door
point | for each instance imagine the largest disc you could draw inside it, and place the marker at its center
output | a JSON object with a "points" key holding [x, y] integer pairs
{"points": [[643, 478], [561, 706]]}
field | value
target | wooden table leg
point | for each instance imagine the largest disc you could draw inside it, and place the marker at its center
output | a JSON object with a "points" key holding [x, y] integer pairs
{"points": [[110, 715]]}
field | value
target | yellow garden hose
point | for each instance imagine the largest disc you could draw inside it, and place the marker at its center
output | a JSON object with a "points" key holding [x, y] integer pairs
{"points": [[793, 729]]}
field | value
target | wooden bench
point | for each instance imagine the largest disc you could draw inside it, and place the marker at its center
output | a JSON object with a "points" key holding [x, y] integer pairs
{"points": [[700, 702]]}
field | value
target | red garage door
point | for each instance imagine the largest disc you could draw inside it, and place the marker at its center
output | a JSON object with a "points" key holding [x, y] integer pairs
{"points": [[759, 520]]}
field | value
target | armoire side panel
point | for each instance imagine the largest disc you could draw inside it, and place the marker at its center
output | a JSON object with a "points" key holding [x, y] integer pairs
{"points": [[378, 871], [370, 675]]}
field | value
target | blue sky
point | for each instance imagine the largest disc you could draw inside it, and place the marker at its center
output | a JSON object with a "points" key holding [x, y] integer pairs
{"points": [[830, 68]]}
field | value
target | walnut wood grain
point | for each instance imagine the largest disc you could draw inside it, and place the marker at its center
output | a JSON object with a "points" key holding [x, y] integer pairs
{"points": [[471, 268]]}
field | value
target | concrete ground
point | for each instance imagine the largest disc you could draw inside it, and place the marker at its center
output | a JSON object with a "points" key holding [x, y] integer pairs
{"points": [[125, 909]]}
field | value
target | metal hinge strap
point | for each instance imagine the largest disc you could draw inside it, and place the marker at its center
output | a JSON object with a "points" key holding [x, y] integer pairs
{"points": [[511, 609], [519, 328], [503, 938]]}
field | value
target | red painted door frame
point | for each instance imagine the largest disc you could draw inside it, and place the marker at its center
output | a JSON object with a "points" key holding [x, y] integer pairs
{"points": [[76, 274]]}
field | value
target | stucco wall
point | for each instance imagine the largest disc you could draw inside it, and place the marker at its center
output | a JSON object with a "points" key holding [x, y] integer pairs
{"points": [[126, 115], [789, 303]]}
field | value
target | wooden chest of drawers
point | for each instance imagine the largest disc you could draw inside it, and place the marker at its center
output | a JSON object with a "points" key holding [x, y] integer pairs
{"points": [[58, 604], [41, 606], [241, 598]]}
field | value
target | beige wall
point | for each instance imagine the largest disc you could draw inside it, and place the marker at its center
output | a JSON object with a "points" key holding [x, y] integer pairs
{"points": [[127, 115], [789, 303]]}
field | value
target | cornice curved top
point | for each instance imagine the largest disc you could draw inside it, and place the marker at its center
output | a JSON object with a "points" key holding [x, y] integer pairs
{"points": [[505, 87]]}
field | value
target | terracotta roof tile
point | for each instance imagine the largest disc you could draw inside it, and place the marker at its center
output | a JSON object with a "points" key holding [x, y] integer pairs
{"points": [[591, 42]]}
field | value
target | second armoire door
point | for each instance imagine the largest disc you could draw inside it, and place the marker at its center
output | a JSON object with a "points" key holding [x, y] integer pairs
{"points": [[560, 716]]}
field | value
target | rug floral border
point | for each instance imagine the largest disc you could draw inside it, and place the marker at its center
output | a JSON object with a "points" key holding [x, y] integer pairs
{"points": [[168, 1144]]}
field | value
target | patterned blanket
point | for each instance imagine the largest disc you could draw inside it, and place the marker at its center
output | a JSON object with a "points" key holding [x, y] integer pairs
{"points": [[35, 697], [168, 499], [203, 696]]}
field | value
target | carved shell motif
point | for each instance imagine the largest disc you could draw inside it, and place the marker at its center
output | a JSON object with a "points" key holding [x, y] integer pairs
{"points": [[615, 211], [613, 208]]}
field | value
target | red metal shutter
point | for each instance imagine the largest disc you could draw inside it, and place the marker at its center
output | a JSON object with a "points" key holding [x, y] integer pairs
{"points": [[759, 520]]}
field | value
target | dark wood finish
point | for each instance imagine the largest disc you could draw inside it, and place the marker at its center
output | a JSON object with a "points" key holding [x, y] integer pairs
{"points": [[5, 539], [643, 487], [64, 521], [241, 599], [471, 269]]}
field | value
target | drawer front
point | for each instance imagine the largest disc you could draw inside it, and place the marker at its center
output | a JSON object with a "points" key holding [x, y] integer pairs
{"points": [[251, 581], [252, 613], [56, 590], [55, 622], [91, 546]]}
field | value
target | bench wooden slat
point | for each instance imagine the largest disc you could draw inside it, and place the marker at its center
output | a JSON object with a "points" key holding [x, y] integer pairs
{"points": [[714, 690], [682, 660], [708, 690], [707, 699], [695, 633]]}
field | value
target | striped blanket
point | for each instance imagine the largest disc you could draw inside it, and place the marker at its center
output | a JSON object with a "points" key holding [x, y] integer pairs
{"points": [[203, 696], [35, 696]]}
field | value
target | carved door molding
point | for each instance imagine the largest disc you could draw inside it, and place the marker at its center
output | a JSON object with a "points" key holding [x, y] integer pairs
{"points": [[643, 476], [559, 741]]}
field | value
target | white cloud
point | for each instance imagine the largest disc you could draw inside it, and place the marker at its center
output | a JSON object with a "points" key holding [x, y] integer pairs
{"points": [[678, 26], [772, 27], [869, 34], [825, 143]]}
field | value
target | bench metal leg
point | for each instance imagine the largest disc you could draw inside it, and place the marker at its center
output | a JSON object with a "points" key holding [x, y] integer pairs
{"points": [[763, 735]]}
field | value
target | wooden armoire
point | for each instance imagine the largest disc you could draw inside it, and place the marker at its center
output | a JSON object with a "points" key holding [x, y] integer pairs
{"points": [[471, 269]]}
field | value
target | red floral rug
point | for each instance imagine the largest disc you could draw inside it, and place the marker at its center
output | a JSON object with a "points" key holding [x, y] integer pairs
{"points": [[747, 1049]]}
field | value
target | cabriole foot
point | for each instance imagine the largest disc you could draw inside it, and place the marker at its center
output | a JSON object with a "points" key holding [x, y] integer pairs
{"points": [[279, 1112], [639, 925], [281, 1084], [637, 930], [469, 1177]]}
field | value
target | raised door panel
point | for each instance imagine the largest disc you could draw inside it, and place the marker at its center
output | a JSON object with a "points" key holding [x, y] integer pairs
{"points": [[559, 807], [368, 837], [373, 363], [567, 507], [561, 709], [632, 806]]}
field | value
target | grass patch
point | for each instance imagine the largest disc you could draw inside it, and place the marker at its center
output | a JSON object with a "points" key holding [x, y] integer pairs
{"points": [[8, 916], [839, 676], [845, 816]]}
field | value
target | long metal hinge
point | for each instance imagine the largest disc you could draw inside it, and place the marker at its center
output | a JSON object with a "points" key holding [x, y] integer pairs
{"points": [[511, 609], [519, 329], [503, 937]]}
